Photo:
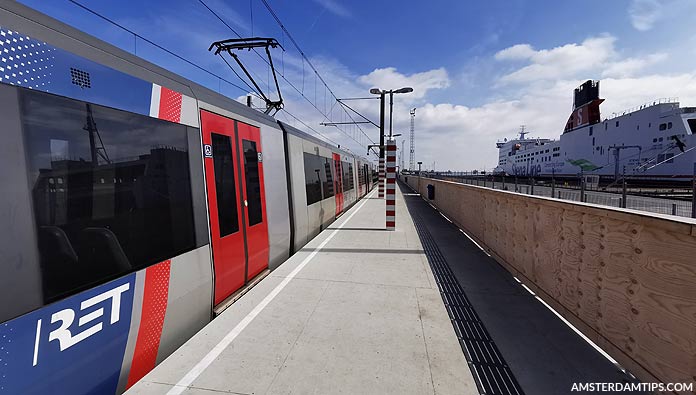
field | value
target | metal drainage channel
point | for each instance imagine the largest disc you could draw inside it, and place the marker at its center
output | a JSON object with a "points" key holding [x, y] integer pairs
{"points": [[492, 374]]}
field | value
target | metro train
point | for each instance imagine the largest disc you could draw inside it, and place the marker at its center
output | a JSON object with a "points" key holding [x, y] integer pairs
{"points": [[136, 204]]}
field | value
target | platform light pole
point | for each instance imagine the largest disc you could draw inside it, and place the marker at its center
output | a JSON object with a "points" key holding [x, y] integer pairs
{"points": [[382, 95]]}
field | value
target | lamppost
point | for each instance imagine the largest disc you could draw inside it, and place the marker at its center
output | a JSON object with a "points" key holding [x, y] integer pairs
{"points": [[382, 93]]}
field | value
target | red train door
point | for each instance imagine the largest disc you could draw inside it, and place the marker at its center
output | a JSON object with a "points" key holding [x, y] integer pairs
{"points": [[222, 176], [255, 220], [338, 183]]}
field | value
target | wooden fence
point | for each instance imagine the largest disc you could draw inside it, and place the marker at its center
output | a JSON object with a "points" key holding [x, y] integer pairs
{"points": [[624, 278]]}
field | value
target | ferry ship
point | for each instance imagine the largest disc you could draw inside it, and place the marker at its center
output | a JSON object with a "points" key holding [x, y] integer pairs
{"points": [[655, 140]]}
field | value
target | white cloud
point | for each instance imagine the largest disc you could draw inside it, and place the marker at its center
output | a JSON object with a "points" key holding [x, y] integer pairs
{"points": [[559, 62], [519, 51], [644, 13], [630, 66], [390, 78]]}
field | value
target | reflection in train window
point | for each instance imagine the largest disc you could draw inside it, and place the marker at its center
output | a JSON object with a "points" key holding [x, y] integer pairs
{"points": [[312, 167], [318, 178], [328, 181], [111, 190], [348, 182]]}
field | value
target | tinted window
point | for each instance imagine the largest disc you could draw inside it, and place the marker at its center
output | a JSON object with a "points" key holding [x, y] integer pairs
{"points": [[225, 188], [253, 182], [313, 170], [339, 174], [111, 190], [348, 182], [328, 180]]}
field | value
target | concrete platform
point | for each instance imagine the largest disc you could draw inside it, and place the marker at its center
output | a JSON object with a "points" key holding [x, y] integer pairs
{"points": [[356, 311]]}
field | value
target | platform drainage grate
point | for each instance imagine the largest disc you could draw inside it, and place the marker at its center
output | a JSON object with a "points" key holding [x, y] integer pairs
{"points": [[492, 374]]}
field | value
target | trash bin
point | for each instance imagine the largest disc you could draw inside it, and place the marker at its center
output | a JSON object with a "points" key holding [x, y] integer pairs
{"points": [[431, 191]]}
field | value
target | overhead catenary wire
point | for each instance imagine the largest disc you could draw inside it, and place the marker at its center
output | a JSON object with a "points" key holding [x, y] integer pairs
{"points": [[282, 74], [309, 62]]}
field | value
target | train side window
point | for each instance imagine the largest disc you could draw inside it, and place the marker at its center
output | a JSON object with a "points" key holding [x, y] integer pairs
{"points": [[663, 126], [225, 189], [669, 125], [328, 178], [692, 125], [313, 169], [348, 182], [111, 190], [253, 182]]}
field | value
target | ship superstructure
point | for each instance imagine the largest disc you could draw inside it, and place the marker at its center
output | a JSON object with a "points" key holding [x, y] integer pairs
{"points": [[652, 140]]}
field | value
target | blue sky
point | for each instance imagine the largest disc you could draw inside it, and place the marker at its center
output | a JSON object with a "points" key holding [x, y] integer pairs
{"points": [[480, 68]]}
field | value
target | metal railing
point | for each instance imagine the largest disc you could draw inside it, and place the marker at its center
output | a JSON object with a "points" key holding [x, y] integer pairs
{"points": [[655, 198]]}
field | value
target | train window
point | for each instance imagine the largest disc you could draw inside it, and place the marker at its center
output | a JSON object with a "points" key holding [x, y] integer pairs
{"points": [[669, 125], [663, 126], [313, 186], [328, 180], [348, 182], [350, 176], [669, 157], [361, 177], [253, 182], [225, 189], [111, 190]]}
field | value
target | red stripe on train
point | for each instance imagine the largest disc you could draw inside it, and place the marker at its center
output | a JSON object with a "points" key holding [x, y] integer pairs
{"points": [[154, 308]]}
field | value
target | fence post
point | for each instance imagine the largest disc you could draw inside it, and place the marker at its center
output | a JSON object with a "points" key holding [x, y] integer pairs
{"points": [[503, 183], [553, 182], [674, 209], [623, 193], [582, 188], [531, 180], [515, 183]]}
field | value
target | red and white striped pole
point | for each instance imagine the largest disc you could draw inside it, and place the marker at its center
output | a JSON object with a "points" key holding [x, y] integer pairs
{"points": [[380, 186], [391, 184]]}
